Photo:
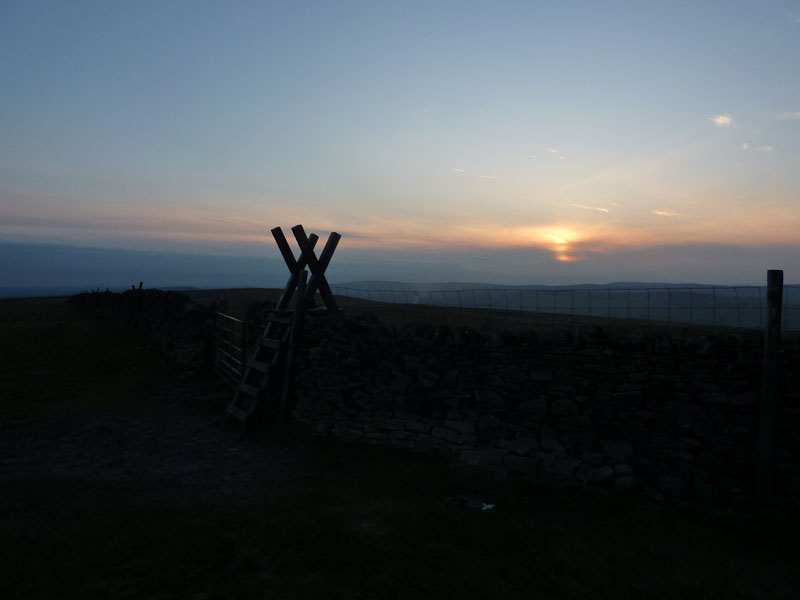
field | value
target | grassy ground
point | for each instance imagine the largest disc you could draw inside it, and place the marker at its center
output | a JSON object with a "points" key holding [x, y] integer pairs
{"points": [[54, 360], [342, 522]]}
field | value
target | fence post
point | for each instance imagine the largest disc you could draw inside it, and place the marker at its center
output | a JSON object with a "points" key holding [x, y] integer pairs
{"points": [[295, 335], [769, 383], [243, 353]]}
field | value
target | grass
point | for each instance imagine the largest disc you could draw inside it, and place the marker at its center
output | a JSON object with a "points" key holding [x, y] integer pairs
{"points": [[55, 360], [353, 522]]}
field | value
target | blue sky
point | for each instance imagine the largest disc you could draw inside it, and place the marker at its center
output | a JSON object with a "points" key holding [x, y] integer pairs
{"points": [[514, 142]]}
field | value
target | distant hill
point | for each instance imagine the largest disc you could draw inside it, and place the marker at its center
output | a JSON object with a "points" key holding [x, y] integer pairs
{"points": [[38, 291], [41, 291], [453, 286]]}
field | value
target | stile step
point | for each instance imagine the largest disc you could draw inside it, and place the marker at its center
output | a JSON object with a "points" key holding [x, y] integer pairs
{"points": [[248, 389], [270, 343], [279, 319], [237, 412], [259, 366]]}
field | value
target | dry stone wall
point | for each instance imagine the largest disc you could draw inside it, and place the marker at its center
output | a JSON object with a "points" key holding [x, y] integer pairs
{"points": [[674, 411], [181, 328]]}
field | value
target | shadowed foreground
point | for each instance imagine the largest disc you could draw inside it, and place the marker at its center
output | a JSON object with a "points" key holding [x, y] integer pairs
{"points": [[116, 480]]}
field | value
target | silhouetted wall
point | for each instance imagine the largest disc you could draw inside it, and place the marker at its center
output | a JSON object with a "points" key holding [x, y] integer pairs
{"points": [[674, 411], [181, 328]]}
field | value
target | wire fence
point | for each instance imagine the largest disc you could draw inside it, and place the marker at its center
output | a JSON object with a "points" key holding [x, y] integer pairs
{"points": [[743, 307]]}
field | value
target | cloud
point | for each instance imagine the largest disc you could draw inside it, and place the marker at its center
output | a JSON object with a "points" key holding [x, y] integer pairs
{"points": [[459, 170], [597, 208], [664, 213], [745, 145], [488, 177], [763, 148], [533, 156], [552, 150], [790, 115], [561, 158], [721, 120]]}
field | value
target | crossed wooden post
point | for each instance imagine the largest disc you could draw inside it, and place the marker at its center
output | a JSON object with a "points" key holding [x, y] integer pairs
{"points": [[317, 266]]}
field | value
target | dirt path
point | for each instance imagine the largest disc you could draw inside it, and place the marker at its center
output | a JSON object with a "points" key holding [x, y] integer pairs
{"points": [[173, 451]]}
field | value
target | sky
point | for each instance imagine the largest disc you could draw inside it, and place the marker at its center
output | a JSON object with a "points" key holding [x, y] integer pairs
{"points": [[505, 142]]}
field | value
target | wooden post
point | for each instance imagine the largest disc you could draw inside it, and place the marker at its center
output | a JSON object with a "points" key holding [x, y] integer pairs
{"points": [[295, 266], [769, 384], [243, 350], [318, 266], [294, 342]]}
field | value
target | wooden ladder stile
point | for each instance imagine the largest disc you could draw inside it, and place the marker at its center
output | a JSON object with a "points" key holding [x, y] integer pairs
{"points": [[268, 366], [263, 368]]}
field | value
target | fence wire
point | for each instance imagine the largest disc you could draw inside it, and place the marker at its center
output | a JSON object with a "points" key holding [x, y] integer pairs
{"points": [[741, 307]]}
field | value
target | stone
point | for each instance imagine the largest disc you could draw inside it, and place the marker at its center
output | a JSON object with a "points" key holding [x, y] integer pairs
{"points": [[511, 373], [488, 399], [713, 398], [628, 400], [593, 458], [706, 490], [427, 379], [460, 426], [523, 445], [672, 484], [564, 407], [558, 468], [578, 440], [617, 451], [667, 441], [541, 376], [623, 469], [536, 406], [576, 424], [624, 482], [505, 443], [399, 382], [520, 465], [744, 399], [482, 457], [601, 474], [682, 409], [550, 442], [413, 425], [584, 474], [445, 434]]}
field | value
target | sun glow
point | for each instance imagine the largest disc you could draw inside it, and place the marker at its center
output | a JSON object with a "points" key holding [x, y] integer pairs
{"points": [[559, 242]]}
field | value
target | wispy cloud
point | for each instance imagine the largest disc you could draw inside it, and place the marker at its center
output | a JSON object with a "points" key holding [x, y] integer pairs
{"points": [[790, 115], [242, 221], [459, 170], [763, 148], [745, 145], [664, 213], [597, 208], [721, 120], [552, 150], [488, 177], [561, 157], [533, 156]]}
